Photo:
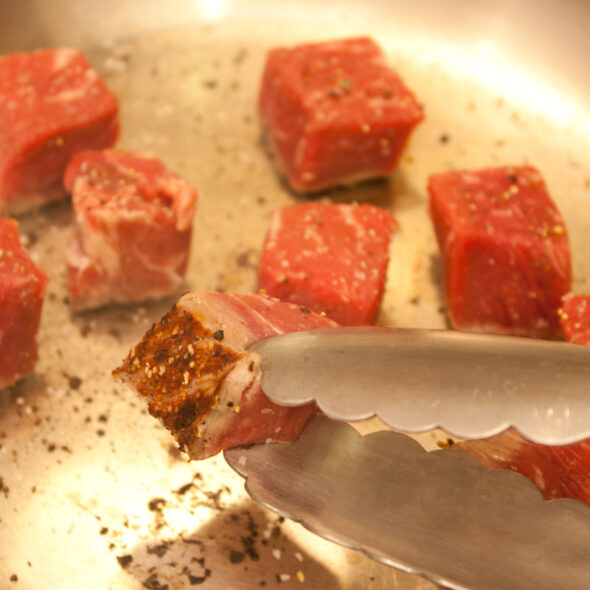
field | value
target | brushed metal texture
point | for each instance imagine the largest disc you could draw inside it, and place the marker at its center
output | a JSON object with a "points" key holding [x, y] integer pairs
{"points": [[438, 514], [471, 385], [87, 476]]}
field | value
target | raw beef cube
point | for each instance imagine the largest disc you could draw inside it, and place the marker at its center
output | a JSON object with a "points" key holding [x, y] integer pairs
{"points": [[335, 112], [504, 248], [574, 316], [329, 258], [52, 105], [201, 382], [133, 225], [558, 472], [22, 287]]}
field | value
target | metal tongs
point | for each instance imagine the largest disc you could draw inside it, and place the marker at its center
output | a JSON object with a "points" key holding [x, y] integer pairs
{"points": [[438, 514]]}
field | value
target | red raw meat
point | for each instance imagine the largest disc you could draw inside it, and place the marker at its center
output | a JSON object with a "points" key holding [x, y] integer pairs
{"points": [[52, 105], [574, 316], [504, 249], [22, 287], [330, 258], [335, 112], [202, 383], [133, 228], [559, 472]]}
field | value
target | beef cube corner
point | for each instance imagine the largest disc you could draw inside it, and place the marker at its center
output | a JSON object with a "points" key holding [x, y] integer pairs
{"points": [[22, 289], [335, 113], [133, 225], [574, 317], [52, 105], [329, 258], [504, 249]]}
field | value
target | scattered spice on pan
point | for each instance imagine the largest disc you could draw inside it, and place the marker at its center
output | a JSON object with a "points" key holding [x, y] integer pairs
{"points": [[194, 580], [124, 560], [156, 504], [214, 498], [4, 488], [158, 550], [185, 488], [445, 444], [248, 544], [74, 382], [152, 583], [236, 556]]}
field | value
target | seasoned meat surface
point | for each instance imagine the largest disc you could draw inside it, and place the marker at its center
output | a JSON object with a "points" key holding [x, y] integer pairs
{"points": [[199, 379]]}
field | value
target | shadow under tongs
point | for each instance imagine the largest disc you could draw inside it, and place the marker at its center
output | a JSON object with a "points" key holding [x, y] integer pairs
{"points": [[241, 547]]}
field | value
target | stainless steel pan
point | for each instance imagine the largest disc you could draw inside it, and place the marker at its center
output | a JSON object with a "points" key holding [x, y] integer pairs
{"points": [[93, 493]]}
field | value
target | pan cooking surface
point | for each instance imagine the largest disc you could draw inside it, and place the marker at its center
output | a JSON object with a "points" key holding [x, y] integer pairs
{"points": [[93, 493]]}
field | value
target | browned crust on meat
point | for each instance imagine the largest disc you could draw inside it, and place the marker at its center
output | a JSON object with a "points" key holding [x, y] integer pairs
{"points": [[164, 367]]}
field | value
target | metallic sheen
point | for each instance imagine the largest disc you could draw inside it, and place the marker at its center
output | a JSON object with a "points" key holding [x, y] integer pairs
{"points": [[471, 385], [502, 82], [439, 514]]}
